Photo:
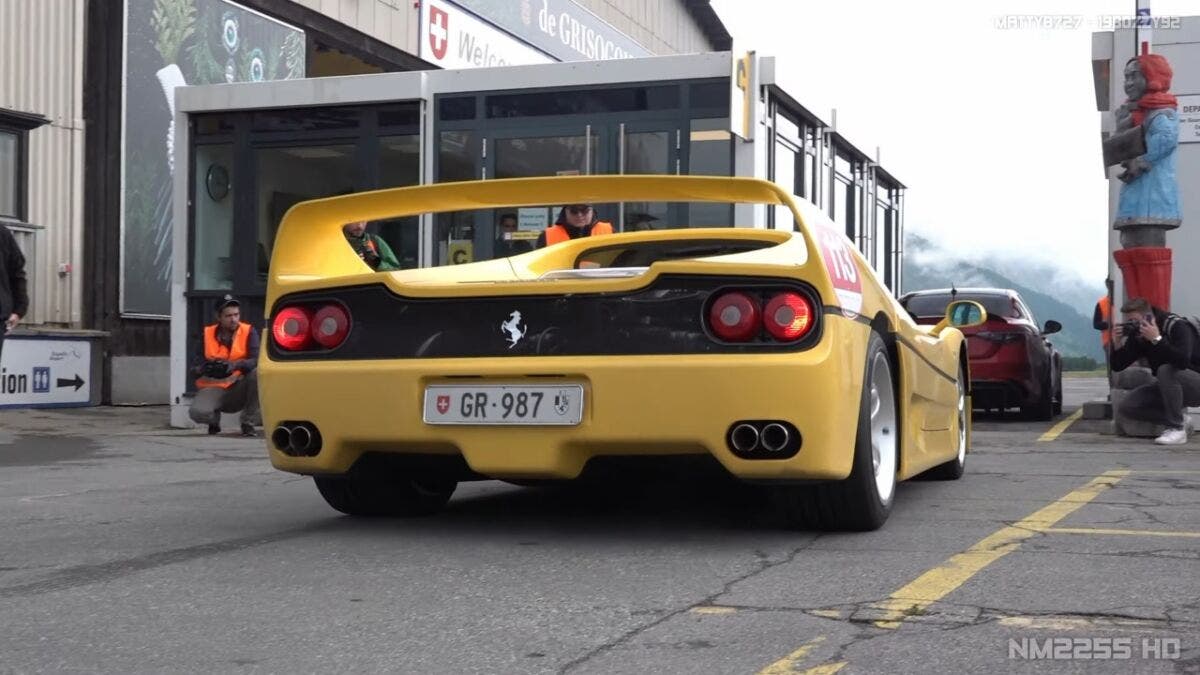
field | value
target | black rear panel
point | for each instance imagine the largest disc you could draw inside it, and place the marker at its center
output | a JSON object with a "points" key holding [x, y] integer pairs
{"points": [[666, 318]]}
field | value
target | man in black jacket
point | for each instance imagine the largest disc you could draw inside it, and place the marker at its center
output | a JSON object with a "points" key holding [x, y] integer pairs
{"points": [[1169, 344], [14, 300]]}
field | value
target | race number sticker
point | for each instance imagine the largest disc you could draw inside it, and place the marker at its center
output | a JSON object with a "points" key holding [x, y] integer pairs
{"points": [[843, 273]]}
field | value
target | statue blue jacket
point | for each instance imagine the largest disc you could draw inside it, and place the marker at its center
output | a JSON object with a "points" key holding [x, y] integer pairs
{"points": [[1153, 197]]}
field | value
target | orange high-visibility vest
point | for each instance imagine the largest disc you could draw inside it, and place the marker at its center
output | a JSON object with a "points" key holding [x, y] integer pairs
{"points": [[558, 233], [213, 350], [1106, 316]]}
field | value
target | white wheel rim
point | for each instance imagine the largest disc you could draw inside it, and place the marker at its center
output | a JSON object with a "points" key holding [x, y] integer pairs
{"points": [[883, 428], [962, 423]]}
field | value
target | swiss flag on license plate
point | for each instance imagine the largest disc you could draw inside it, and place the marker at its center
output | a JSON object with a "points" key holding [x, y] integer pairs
{"points": [[443, 404]]}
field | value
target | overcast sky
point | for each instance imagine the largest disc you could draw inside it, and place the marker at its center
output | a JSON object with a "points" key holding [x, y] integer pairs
{"points": [[995, 132]]}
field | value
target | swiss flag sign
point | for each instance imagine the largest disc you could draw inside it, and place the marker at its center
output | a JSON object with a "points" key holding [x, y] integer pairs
{"points": [[439, 31]]}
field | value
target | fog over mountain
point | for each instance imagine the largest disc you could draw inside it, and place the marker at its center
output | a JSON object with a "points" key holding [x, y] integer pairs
{"points": [[1051, 292]]}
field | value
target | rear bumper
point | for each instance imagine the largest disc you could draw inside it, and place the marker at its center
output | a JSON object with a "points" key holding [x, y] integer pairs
{"points": [[633, 405], [1007, 383], [998, 394], [1002, 384]]}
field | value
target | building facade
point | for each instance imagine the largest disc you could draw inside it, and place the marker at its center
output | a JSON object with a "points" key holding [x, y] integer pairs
{"points": [[41, 151], [272, 145], [87, 143]]}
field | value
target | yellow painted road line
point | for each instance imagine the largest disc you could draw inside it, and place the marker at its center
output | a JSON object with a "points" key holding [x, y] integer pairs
{"points": [[787, 664], [1057, 429], [1131, 533], [826, 669], [938, 582]]}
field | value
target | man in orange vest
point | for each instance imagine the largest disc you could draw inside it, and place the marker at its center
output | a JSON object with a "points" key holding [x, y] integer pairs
{"points": [[574, 221], [225, 379], [1102, 321]]}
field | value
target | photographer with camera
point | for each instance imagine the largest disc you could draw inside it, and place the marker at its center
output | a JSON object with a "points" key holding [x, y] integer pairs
{"points": [[370, 247], [1169, 344], [226, 378]]}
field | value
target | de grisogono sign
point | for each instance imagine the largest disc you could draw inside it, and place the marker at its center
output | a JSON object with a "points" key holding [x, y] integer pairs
{"points": [[561, 29]]}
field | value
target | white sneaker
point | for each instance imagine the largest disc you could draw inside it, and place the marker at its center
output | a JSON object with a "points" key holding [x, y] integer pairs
{"points": [[1172, 437]]}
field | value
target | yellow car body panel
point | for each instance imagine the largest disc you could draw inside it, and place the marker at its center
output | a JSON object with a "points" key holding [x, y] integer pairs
{"points": [[633, 404]]}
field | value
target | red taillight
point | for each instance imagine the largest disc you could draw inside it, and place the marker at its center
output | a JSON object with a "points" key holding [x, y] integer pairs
{"points": [[1001, 336], [734, 317], [788, 317], [330, 326], [291, 329]]}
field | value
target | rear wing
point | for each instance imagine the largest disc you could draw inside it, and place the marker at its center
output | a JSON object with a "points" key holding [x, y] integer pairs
{"points": [[310, 245]]}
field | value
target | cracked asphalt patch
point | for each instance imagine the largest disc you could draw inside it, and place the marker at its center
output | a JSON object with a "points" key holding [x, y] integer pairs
{"points": [[131, 547]]}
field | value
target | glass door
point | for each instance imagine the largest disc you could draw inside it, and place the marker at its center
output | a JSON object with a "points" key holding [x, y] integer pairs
{"points": [[523, 152], [647, 149]]}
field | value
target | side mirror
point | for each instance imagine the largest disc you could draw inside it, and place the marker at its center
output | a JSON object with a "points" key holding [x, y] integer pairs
{"points": [[1052, 326], [962, 314]]}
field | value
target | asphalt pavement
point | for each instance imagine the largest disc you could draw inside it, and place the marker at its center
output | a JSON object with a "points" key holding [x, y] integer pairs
{"points": [[131, 547]]}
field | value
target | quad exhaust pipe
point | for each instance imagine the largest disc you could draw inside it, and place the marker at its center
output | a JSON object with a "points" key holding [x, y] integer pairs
{"points": [[763, 439], [298, 439], [744, 437], [775, 437]]}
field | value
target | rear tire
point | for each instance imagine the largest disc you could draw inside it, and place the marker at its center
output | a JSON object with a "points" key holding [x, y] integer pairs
{"points": [[382, 497], [864, 500], [1042, 409], [1058, 395], [953, 470]]}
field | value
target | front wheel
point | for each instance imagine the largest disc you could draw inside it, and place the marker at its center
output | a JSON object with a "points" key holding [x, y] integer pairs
{"points": [[862, 501], [385, 497]]}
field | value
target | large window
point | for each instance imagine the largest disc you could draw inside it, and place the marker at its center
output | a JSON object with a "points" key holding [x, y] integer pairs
{"points": [[785, 177], [458, 154], [213, 199], [290, 175], [400, 166], [710, 151], [14, 163], [882, 225], [10, 175]]}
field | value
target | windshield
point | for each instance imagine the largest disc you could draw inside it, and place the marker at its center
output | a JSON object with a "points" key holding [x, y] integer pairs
{"points": [[934, 304]]}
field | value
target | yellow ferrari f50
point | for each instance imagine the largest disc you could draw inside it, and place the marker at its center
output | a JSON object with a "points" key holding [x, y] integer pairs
{"points": [[778, 353]]}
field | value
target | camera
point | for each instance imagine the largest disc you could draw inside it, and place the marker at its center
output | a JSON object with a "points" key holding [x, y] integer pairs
{"points": [[1131, 328], [216, 369]]}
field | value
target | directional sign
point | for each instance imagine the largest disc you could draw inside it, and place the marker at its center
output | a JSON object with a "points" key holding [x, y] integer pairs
{"points": [[1189, 119], [37, 372]]}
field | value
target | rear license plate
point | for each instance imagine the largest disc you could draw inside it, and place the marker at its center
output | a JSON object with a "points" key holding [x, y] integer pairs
{"points": [[502, 404]]}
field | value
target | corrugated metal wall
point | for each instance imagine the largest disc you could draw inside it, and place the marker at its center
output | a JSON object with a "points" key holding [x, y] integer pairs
{"points": [[41, 72], [662, 26], [390, 21]]}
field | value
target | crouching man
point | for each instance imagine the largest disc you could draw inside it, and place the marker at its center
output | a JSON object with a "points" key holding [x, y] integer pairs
{"points": [[225, 379], [1168, 342]]}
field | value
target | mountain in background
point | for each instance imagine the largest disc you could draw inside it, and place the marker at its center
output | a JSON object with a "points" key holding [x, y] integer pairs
{"points": [[1050, 292]]}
